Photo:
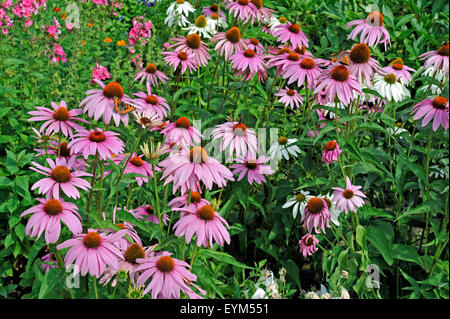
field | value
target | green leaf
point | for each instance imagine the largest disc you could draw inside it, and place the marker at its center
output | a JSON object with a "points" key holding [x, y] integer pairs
{"points": [[293, 271], [361, 236], [222, 257], [406, 253], [378, 239]]}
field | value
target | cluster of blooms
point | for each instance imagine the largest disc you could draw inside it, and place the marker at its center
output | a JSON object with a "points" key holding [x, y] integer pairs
{"points": [[100, 73], [139, 34], [55, 52], [24, 9], [337, 82]]}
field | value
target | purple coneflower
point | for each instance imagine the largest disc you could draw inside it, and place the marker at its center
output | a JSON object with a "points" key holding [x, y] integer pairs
{"points": [[213, 9], [64, 153], [91, 252], [255, 45], [433, 109], [304, 72], [168, 276], [181, 60], [308, 245], [136, 165], [331, 152], [151, 102], [290, 97], [48, 215], [338, 82], [236, 136], [60, 119], [348, 199], [205, 223], [152, 75], [291, 33], [61, 177], [437, 59], [101, 102], [90, 142], [193, 44], [243, 10], [147, 212], [128, 264], [316, 215], [247, 63], [401, 71], [188, 168], [371, 29], [362, 65], [229, 42], [254, 168], [182, 129]]}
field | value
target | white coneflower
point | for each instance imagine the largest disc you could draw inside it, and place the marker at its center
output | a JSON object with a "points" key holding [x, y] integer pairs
{"points": [[397, 130], [179, 20], [283, 148], [390, 88], [434, 89], [299, 201], [180, 7], [147, 118], [201, 27], [215, 22]]}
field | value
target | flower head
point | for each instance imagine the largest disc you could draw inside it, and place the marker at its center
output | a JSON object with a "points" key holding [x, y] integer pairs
{"points": [[348, 199]]}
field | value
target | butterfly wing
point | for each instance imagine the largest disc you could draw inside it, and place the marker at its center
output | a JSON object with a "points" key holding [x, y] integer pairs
{"points": [[122, 107]]}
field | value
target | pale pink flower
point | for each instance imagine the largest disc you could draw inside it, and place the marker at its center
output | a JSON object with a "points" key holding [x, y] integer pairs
{"points": [[91, 252], [253, 167], [348, 199], [331, 152], [308, 245]]}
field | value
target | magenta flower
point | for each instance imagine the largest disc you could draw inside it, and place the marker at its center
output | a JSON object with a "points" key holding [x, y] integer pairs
{"points": [[255, 45], [182, 202], [371, 29], [205, 223], [401, 71], [290, 98], [213, 9], [437, 59], [242, 10], [308, 245], [146, 212], [101, 102], [331, 152], [432, 109], [61, 177], [316, 215], [237, 137], [48, 216], [182, 129], [91, 252], [254, 167], [338, 82], [64, 154], [168, 276], [247, 62], [348, 199], [136, 165], [291, 33], [193, 44], [304, 72], [187, 169], [229, 42], [100, 73], [180, 59], [90, 142], [152, 75], [57, 120], [362, 65], [150, 102], [128, 264]]}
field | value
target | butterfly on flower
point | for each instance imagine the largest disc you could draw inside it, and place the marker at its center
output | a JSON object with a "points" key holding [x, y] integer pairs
{"points": [[344, 60], [122, 107]]}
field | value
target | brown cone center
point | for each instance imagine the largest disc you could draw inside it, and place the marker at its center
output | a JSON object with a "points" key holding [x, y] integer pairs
{"points": [[340, 73], [151, 68], [133, 252], [165, 264], [60, 174], [53, 207], [307, 63], [92, 240], [113, 89], [439, 102], [315, 205], [233, 35], [97, 136], [61, 114], [183, 122], [206, 212], [193, 41], [360, 53], [198, 155]]}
